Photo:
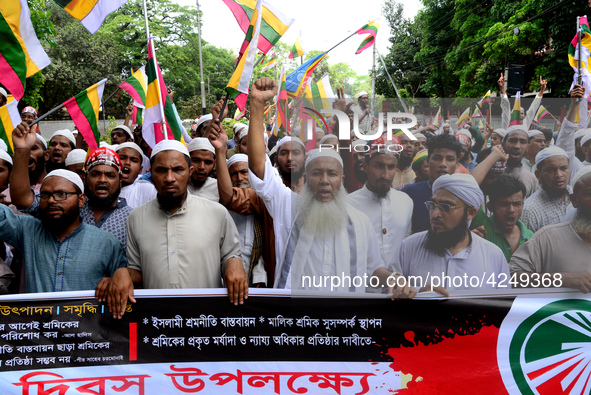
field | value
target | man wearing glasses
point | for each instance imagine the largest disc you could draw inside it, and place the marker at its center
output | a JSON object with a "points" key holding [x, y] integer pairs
{"points": [[448, 255], [61, 253]]}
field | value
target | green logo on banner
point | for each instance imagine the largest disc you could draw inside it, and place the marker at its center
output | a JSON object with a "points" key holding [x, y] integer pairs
{"points": [[550, 352]]}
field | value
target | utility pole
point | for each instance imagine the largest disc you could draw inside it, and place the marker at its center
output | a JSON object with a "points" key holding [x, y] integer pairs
{"points": [[203, 103]]}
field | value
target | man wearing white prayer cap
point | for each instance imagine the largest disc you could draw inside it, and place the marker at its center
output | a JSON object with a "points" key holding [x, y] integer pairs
{"points": [[448, 250], [202, 125], [202, 156], [75, 162], [135, 191], [290, 159], [177, 240], [237, 129], [515, 144], [550, 202], [363, 111], [496, 137], [536, 143], [121, 134], [60, 145], [578, 136], [561, 251], [420, 144], [60, 251], [5, 169], [3, 96], [318, 232]]}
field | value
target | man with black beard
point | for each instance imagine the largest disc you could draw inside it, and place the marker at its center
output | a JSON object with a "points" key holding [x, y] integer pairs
{"points": [[515, 144], [404, 173], [203, 161], [449, 250], [177, 240], [291, 155], [561, 251]]}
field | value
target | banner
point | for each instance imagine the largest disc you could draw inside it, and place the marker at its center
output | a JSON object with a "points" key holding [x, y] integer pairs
{"points": [[195, 341]]}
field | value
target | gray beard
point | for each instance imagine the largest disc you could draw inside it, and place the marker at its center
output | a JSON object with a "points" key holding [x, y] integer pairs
{"points": [[581, 224], [322, 219]]}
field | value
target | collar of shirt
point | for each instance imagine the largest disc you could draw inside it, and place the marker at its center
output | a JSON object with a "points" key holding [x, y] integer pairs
{"points": [[500, 232], [547, 197], [181, 210], [386, 199], [463, 254], [72, 234]]}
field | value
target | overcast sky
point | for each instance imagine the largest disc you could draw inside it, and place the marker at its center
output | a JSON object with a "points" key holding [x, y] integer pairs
{"points": [[323, 23]]}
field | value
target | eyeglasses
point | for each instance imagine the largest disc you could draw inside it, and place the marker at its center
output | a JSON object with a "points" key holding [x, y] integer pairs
{"points": [[443, 207], [57, 196]]}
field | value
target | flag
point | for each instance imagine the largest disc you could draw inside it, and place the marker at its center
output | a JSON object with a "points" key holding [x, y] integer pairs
{"points": [[282, 107], [91, 13], [485, 99], [9, 119], [137, 115], [21, 53], [84, 110], [573, 56], [273, 24], [239, 83], [516, 114], [320, 93], [438, 117], [155, 97], [372, 29], [239, 114], [476, 112], [136, 85], [542, 112], [480, 125], [462, 119], [272, 62], [297, 50], [296, 80]]}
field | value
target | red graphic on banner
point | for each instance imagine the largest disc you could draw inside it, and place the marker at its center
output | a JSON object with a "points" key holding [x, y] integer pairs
{"points": [[456, 365], [133, 341]]}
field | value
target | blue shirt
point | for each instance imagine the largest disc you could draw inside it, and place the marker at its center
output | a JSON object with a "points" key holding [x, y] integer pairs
{"points": [[419, 193], [77, 263]]}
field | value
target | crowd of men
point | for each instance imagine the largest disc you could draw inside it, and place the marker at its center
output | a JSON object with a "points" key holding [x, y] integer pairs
{"points": [[396, 215]]}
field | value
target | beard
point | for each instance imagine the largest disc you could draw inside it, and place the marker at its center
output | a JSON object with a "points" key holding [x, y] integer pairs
{"points": [[198, 184], [65, 220], [39, 168], [404, 162], [553, 192], [241, 184], [438, 242], [51, 166], [322, 219], [291, 176], [581, 224], [513, 162], [171, 202], [102, 203]]}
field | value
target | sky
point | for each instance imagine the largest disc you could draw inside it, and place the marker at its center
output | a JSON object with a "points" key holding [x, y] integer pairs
{"points": [[323, 23]]}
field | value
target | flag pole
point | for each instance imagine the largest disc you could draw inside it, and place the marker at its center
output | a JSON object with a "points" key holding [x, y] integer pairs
{"points": [[580, 77], [373, 81], [42, 117], [151, 44], [392, 82]]}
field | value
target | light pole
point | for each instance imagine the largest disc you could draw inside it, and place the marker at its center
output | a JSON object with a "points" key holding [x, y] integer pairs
{"points": [[203, 106]]}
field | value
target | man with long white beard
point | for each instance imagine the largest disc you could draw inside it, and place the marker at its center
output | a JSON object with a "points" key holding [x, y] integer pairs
{"points": [[448, 250], [323, 237], [561, 250]]}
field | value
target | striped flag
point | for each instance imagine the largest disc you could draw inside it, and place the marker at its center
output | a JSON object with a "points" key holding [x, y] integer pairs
{"points": [[282, 108], [239, 114], [136, 85], [21, 53], [297, 79], [152, 116], [461, 122], [438, 117], [9, 119], [91, 13], [573, 51], [297, 50], [320, 93], [273, 25], [272, 62], [239, 83], [542, 112], [476, 112], [485, 99], [372, 29], [84, 110], [137, 115], [516, 114]]}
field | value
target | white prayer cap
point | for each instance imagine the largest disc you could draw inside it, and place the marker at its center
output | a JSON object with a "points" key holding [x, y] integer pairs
{"points": [[42, 140], [549, 152], [132, 145], [3, 93], [533, 133], [66, 133], [125, 129], [361, 94], [420, 135], [326, 153], [68, 175], [75, 157], [584, 170], [170, 145], [104, 144], [288, 139], [514, 129], [4, 155], [581, 132], [273, 150], [327, 137], [464, 186], [237, 158], [243, 133], [206, 117], [358, 142], [238, 128], [444, 124], [585, 138], [3, 145], [201, 144], [500, 132]]}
